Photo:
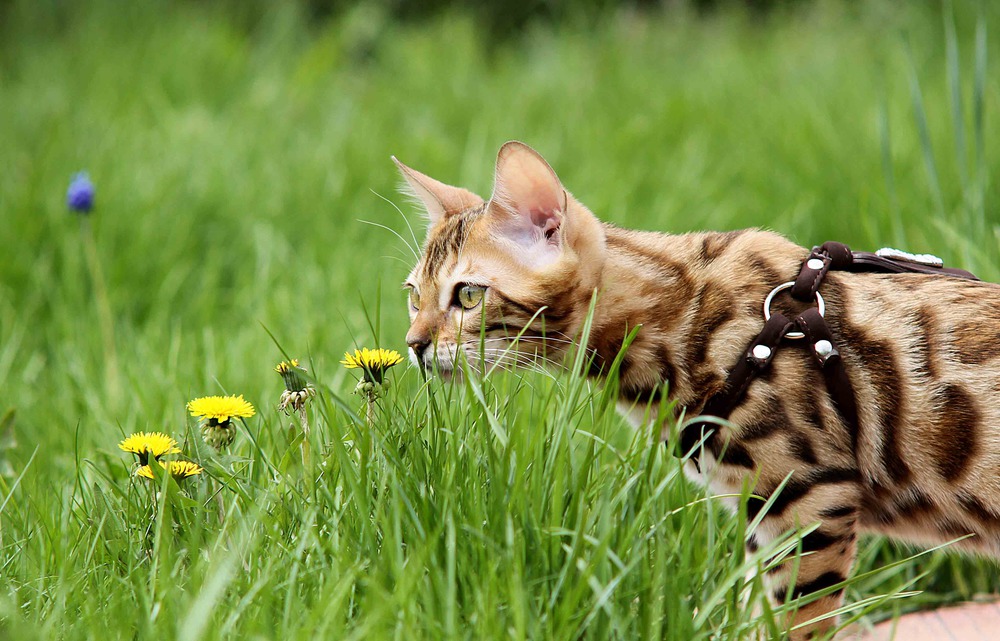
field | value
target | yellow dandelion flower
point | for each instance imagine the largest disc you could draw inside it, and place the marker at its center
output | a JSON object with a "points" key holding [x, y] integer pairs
{"points": [[374, 362], [378, 357], [285, 366], [177, 469], [142, 444], [220, 409], [184, 469]]}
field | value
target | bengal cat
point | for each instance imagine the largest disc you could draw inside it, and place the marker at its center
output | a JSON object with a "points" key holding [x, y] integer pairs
{"points": [[922, 352]]}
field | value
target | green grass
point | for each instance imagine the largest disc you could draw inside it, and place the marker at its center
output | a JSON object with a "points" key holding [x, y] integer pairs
{"points": [[236, 156]]}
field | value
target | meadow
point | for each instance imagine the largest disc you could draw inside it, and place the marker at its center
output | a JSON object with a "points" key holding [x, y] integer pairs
{"points": [[247, 212]]}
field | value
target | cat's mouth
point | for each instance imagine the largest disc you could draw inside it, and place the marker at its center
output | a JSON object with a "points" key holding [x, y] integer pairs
{"points": [[449, 361], [439, 361]]}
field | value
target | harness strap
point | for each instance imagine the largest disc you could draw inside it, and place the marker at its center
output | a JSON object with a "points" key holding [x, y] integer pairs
{"points": [[755, 360], [811, 325], [824, 349], [838, 256]]}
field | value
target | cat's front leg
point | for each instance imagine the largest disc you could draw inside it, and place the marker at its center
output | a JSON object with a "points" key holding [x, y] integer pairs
{"points": [[827, 552]]}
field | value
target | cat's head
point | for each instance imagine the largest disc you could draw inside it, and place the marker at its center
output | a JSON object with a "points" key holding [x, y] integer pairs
{"points": [[525, 263]]}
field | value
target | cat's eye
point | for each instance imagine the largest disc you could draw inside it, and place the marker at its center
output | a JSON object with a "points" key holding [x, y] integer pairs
{"points": [[469, 296], [414, 298]]}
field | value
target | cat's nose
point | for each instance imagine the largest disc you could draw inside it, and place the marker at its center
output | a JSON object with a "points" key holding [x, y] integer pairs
{"points": [[419, 346]]}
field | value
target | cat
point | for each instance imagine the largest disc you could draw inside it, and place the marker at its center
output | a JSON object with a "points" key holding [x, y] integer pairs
{"points": [[922, 353]]}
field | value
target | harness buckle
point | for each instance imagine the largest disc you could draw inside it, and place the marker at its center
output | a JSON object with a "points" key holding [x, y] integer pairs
{"points": [[795, 335]]}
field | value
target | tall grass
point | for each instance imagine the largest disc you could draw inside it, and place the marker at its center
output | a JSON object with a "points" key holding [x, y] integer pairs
{"points": [[235, 158]]}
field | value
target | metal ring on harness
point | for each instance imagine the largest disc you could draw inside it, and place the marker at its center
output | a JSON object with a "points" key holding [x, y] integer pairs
{"points": [[820, 304]]}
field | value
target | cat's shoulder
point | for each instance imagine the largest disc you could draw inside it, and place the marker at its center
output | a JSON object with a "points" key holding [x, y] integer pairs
{"points": [[751, 243], [702, 248]]}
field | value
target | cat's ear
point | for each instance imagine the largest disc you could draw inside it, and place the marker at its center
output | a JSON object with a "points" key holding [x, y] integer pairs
{"points": [[440, 200], [528, 202]]}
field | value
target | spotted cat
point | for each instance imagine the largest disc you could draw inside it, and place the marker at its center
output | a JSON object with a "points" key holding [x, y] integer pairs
{"points": [[921, 352]]}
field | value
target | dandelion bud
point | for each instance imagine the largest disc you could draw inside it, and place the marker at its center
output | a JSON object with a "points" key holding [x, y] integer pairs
{"points": [[218, 435], [297, 390], [292, 374]]}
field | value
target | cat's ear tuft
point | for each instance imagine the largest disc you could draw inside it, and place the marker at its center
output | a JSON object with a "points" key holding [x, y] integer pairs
{"points": [[440, 200], [529, 202]]}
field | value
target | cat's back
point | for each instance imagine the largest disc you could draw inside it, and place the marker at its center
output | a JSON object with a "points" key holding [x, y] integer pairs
{"points": [[936, 326], [923, 353]]}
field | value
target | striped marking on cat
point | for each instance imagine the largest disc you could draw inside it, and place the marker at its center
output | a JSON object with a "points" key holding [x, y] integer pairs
{"points": [[822, 582], [925, 343], [712, 309], [878, 358], [977, 341], [838, 511], [975, 506], [913, 504], [656, 263], [802, 448], [445, 244], [797, 488], [769, 419], [730, 452], [550, 317], [815, 542], [956, 432], [715, 245]]}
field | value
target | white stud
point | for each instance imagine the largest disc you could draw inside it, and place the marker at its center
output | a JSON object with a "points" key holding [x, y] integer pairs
{"points": [[922, 259], [814, 263], [823, 348], [761, 352]]}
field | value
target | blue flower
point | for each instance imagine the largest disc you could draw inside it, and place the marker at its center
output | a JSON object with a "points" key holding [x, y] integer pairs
{"points": [[80, 195]]}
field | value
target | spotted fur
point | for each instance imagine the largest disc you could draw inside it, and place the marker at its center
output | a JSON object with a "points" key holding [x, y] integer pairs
{"points": [[922, 352]]}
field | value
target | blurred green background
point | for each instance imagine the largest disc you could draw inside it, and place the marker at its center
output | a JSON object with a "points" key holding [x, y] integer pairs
{"points": [[236, 148], [239, 151]]}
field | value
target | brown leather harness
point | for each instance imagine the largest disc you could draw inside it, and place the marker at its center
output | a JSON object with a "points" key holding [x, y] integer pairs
{"points": [[811, 326]]}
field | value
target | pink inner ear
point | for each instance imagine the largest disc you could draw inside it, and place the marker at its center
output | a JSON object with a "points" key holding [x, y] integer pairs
{"points": [[531, 188], [548, 222], [529, 203]]}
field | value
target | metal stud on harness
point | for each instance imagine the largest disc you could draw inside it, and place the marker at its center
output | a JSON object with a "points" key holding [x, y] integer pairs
{"points": [[811, 326]]}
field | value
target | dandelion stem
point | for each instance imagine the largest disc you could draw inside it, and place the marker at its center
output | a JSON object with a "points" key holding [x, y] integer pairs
{"points": [[103, 309], [370, 398], [304, 421], [222, 509]]}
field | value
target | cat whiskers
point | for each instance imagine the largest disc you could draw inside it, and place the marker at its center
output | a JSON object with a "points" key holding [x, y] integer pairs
{"points": [[558, 346], [415, 244], [508, 358], [539, 340], [529, 337], [512, 364]]}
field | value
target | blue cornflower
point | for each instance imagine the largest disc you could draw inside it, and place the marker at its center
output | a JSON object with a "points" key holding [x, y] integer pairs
{"points": [[80, 195]]}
